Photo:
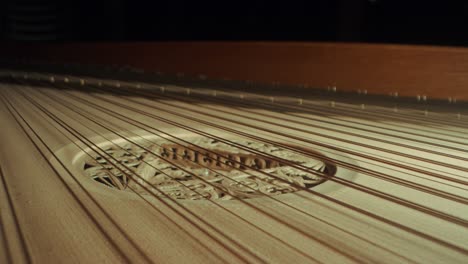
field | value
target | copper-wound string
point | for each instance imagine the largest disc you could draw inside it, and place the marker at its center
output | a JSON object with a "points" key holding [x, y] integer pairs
{"points": [[270, 197], [100, 227], [177, 114], [257, 208], [352, 107], [95, 146], [315, 125], [102, 152], [190, 212], [312, 132], [430, 173], [429, 209], [331, 112], [413, 175]]}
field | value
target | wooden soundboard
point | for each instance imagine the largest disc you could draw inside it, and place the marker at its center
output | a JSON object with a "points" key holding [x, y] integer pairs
{"points": [[318, 153]]}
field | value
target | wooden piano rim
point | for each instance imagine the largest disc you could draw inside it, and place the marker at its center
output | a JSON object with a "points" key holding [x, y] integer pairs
{"points": [[432, 72]]}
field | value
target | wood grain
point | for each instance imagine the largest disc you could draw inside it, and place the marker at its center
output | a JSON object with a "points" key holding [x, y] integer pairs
{"points": [[398, 193], [437, 72]]}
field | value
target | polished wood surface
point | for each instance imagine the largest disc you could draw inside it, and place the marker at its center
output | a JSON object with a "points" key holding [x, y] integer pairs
{"points": [[434, 72]]}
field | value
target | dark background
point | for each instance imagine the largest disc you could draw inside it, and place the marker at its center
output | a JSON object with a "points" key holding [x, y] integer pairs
{"points": [[378, 21]]}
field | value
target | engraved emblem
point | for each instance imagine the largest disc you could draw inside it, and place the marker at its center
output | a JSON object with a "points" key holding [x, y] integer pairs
{"points": [[205, 169]]}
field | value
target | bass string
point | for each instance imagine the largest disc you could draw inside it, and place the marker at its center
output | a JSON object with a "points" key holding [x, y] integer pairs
{"points": [[282, 221], [442, 215], [395, 143], [305, 107], [345, 104], [258, 120], [355, 124], [190, 109], [360, 120], [270, 197], [321, 134], [371, 110], [314, 125], [324, 135], [95, 146], [15, 114], [242, 259], [349, 107], [308, 131], [81, 137], [402, 202], [207, 107]]}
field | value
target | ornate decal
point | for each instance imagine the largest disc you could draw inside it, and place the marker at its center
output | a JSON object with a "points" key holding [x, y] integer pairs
{"points": [[205, 169]]}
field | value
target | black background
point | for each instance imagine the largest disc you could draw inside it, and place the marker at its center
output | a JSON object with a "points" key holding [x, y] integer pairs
{"points": [[377, 21]]}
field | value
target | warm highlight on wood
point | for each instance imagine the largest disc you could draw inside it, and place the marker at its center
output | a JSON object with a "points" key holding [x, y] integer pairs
{"points": [[381, 69], [112, 170]]}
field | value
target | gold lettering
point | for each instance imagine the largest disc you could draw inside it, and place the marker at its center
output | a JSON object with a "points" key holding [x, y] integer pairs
{"points": [[205, 160], [221, 160], [260, 163]]}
